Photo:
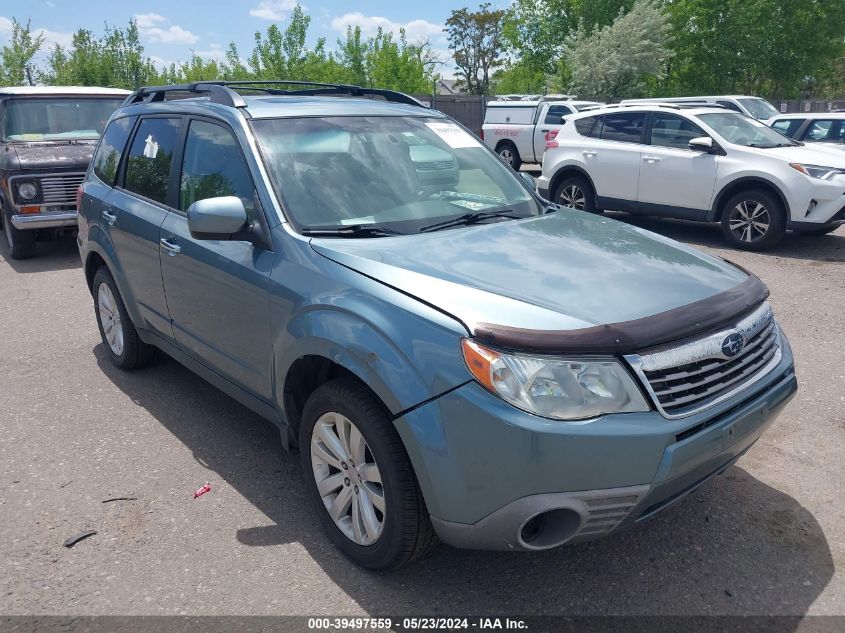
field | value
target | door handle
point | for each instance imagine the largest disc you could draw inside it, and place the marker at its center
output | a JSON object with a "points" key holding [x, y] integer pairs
{"points": [[172, 249], [546, 130], [109, 217], [588, 154], [651, 159]]}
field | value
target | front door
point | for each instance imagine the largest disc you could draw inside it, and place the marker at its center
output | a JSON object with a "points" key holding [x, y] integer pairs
{"points": [[671, 174], [217, 290]]}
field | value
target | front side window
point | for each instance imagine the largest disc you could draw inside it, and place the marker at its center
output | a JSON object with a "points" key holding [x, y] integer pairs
{"points": [[742, 130], [397, 173], [111, 148], [213, 166], [626, 127], [148, 165], [57, 118], [668, 130], [788, 127], [554, 114], [759, 108], [730, 105]]}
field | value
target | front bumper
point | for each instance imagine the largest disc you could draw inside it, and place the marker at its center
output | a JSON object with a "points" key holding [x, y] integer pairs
{"points": [[44, 220], [815, 203], [497, 478]]}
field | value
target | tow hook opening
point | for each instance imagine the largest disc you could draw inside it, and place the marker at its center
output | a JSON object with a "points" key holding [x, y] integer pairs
{"points": [[549, 529]]}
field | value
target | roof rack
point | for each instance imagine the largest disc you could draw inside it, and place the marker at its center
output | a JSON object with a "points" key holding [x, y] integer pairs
{"points": [[224, 91], [674, 106]]}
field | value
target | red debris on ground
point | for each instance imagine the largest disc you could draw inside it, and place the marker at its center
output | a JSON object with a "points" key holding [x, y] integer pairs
{"points": [[202, 491]]}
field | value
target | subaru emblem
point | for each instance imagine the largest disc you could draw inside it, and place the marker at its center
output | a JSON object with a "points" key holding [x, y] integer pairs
{"points": [[732, 345]]}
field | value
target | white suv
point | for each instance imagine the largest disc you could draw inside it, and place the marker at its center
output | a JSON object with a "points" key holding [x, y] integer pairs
{"points": [[696, 163]]}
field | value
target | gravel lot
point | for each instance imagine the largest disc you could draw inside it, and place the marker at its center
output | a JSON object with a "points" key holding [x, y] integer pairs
{"points": [[768, 537]]}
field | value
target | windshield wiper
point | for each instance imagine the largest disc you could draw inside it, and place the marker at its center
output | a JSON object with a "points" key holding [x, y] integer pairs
{"points": [[761, 146], [353, 230], [470, 218]]}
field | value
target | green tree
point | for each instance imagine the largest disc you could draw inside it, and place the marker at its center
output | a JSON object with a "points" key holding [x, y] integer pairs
{"points": [[753, 46], [477, 44], [16, 58], [616, 60], [520, 77]]}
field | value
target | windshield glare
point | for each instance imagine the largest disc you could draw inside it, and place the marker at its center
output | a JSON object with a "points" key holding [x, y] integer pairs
{"points": [[401, 173], [759, 108], [741, 130], [47, 119]]}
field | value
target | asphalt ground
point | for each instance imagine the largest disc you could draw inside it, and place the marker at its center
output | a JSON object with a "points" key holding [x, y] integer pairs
{"points": [[767, 537]]}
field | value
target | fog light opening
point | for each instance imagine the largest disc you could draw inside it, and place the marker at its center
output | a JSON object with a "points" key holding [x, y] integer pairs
{"points": [[549, 529]]}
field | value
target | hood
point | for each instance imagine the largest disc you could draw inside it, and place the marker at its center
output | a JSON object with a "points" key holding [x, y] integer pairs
{"points": [[564, 271], [61, 155], [810, 154]]}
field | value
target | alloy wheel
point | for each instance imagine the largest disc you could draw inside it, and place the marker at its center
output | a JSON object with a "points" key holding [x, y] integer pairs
{"points": [[507, 154], [572, 196], [749, 221], [348, 478], [110, 319]]}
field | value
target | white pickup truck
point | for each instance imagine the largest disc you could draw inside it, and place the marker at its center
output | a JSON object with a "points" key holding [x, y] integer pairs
{"points": [[518, 130]]}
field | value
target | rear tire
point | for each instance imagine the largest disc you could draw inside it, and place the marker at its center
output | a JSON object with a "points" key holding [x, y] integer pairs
{"points": [[510, 155], [576, 193], [343, 408], [753, 220], [120, 338], [21, 243]]}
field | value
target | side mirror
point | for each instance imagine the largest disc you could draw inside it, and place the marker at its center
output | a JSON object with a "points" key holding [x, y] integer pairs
{"points": [[701, 144], [528, 179], [216, 218]]}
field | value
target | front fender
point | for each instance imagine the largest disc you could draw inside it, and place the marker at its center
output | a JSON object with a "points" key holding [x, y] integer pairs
{"points": [[406, 351]]}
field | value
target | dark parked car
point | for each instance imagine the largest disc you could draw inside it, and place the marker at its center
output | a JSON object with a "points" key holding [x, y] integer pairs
{"points": [[465, 361], [48, 134]]}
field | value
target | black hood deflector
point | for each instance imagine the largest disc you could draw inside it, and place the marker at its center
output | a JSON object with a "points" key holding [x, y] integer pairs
{"points": [[629, 336]]}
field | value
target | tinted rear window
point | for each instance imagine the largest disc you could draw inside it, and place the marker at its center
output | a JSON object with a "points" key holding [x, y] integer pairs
{"points": [[587, 125], [148, 165], [623, 126], [111, 147]]}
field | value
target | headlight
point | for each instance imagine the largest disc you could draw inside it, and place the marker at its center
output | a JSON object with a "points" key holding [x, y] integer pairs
{"points": [[553, 387], [27, 190], [817, 171]]}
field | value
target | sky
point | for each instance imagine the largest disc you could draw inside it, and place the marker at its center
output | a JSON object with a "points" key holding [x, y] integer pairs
{"points": [[171, 30]]}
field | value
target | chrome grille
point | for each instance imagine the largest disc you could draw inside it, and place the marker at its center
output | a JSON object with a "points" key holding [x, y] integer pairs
{"points": [[60, 189], [691, 377], [436, 165]]}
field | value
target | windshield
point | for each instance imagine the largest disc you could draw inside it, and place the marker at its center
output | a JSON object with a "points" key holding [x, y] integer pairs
{"points": [[43, 119], [759, 108], [740, 130], [397, 173]]}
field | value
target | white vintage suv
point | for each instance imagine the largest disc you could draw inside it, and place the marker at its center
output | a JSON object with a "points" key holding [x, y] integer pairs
{"points": [[697, 163]]}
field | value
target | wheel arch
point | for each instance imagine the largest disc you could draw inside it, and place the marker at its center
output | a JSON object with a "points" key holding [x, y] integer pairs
{"points": [[743, 184], [565, 172]]}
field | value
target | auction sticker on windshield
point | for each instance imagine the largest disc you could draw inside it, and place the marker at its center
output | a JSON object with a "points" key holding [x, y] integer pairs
{"points": [[454, 136]]}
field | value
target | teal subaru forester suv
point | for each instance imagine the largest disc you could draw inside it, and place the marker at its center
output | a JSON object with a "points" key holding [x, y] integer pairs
{"points": [[452, 356]]}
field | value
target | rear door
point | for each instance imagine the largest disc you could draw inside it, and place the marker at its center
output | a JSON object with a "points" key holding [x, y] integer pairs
{"points": [[135, 211], [218, 290], [549, 122], [612, 158], [671, 174]]}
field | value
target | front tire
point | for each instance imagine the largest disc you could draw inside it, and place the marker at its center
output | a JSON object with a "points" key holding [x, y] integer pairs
{"points": [[510, 155], [753, 220], [21, 243], [360, 479], [576, 193], [123, 345]]}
